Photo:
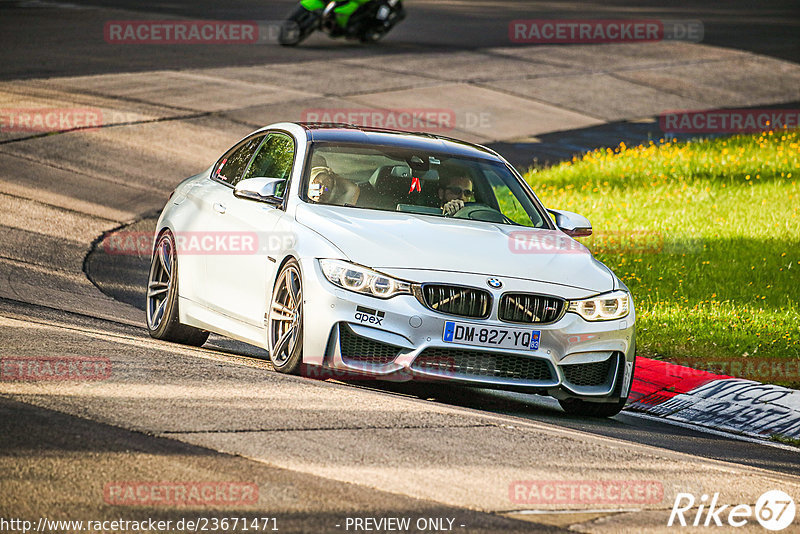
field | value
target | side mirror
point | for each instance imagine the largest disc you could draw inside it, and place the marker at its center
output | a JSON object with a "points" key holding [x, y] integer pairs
{"points": [[269, 190], [572, 224]]}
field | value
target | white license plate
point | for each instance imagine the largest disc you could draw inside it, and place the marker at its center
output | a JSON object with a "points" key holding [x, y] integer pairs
{"points": [[491, 336]]}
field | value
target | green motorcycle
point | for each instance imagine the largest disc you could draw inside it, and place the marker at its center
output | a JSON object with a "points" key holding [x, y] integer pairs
{"points": [[361, 20]]}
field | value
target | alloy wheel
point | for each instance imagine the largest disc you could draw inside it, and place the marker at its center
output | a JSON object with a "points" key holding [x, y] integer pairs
{"points": [[159, 282], [286, 316]]}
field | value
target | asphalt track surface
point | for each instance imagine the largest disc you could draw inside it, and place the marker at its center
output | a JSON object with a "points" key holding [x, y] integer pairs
{"points": [[318, 451], [72, 44]]}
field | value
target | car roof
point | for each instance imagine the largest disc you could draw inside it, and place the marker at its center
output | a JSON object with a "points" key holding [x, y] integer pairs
{"points": [[361, 135]]}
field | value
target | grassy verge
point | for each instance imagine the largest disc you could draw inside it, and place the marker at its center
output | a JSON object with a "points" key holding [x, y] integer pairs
{"points": [[706, 235], [785, 440]]}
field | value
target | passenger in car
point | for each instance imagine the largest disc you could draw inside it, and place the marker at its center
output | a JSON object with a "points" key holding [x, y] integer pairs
{"points": [[327, 187]]}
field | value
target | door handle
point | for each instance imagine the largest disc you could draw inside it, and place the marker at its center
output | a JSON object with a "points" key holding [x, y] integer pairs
{"points": [[219, 208]]}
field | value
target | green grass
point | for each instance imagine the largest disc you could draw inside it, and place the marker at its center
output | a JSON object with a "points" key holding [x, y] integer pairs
{"points": [[706, 234], [785, 440]]}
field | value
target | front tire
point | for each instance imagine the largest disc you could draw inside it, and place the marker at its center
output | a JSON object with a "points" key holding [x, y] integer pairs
{"points": [[285, 334], [592, 409], [375, 32], [162, 297]]}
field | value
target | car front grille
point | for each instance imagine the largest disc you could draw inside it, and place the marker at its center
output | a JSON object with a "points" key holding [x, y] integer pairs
{"points": [[483, 364], [456, 300], [355, 348], [527, 308], [588, 374]]}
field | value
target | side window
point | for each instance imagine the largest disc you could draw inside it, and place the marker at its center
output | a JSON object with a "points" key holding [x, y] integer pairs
{"points": [[274, 158], [506, 200], [232, 165]]}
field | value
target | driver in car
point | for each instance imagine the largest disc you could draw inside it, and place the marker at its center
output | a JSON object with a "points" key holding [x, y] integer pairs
{"points": [[453, 193]]}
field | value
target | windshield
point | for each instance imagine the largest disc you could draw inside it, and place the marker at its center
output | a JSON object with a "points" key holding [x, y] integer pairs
{"points": [[414, 181]]}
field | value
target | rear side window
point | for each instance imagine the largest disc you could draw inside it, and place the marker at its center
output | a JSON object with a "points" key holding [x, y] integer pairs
{"points": [[274, 158], [232, 165]]}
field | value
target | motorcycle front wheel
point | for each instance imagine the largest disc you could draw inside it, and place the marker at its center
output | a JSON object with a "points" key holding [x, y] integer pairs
{"points": [[376, 31]]}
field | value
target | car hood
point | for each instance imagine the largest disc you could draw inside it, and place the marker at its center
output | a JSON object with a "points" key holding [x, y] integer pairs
{"points": [[391, 240]]}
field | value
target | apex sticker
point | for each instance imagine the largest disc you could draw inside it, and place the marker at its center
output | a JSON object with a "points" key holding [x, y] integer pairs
{"points": [[369, 316]]}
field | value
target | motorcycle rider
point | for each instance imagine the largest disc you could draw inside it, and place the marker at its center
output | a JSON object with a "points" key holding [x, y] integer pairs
{"points": [[342, 12], [364, 20]]}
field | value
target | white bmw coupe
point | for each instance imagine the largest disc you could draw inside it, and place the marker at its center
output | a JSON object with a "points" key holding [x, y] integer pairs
{"points": [[391, 255]]}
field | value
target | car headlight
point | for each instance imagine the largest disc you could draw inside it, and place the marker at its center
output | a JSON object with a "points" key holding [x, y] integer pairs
{"points": [[614, 305], [362, 279]]}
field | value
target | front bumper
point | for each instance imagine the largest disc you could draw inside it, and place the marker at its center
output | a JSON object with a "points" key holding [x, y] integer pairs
{"points": [[400, 339]]}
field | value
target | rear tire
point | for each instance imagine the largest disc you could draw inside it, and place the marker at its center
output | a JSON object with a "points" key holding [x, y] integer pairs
{"points": [[162, 297], [592, 409], [298, 26]]}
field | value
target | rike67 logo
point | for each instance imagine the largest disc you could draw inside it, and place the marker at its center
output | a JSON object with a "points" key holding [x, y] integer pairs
{"points": [[774, 510]]}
